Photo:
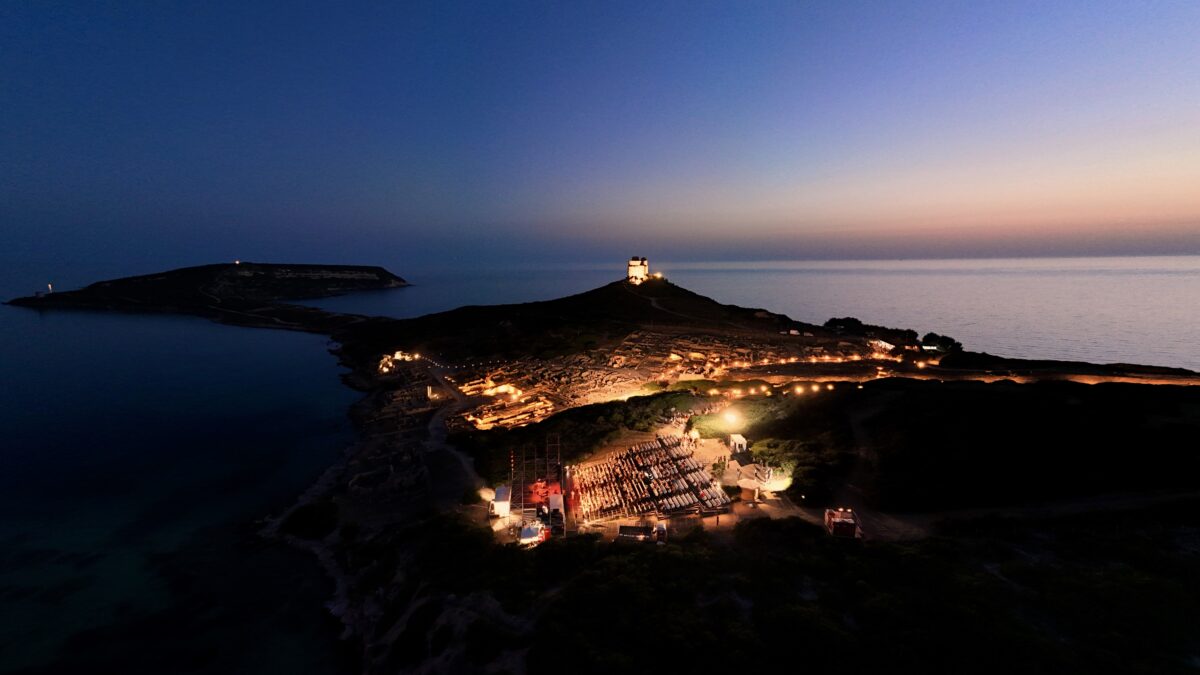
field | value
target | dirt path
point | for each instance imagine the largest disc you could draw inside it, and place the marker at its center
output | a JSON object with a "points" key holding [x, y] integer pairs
{"points": [[452, 471], [875, 524], [654, 303]]}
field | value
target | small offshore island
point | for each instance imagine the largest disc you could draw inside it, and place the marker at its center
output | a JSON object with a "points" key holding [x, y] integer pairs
{"points": [[814, 488]]}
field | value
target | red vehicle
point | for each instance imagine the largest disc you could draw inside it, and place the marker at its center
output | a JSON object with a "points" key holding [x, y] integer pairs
{"points": [[842, 522]]}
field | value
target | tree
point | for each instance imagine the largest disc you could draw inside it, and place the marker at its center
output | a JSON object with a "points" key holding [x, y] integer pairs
{"points": [[943, 343], [847, 324]]}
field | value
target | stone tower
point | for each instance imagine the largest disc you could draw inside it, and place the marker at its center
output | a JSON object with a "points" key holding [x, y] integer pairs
{"points": [[639, 270]]}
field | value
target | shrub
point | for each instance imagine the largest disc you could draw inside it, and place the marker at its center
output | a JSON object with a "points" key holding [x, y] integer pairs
{"points": [[314, 520]]}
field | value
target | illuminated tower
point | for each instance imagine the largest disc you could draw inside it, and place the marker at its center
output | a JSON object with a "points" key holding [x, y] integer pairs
{"points": [[639, 270]]}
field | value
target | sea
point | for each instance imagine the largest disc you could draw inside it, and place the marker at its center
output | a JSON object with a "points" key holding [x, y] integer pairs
{"points": [[139, 453], [1143, 310]]}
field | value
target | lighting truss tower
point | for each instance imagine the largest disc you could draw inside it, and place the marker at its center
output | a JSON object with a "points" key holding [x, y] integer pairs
{"points": [[529, 465], [554, 469]]}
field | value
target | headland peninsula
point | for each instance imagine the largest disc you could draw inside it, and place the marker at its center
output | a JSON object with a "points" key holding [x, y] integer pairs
{"points": [[242, 293], [642, 479]]}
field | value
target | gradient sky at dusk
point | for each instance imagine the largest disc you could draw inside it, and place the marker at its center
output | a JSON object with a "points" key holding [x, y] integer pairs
{"points": [[187, 132]]}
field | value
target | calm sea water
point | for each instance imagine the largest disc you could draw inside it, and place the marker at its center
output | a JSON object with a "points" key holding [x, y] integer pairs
{"points": [[1110, 310], [137, 451]]}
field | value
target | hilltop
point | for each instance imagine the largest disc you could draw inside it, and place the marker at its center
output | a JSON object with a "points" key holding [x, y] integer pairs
{"points": [[564, 325], [263, 295]]}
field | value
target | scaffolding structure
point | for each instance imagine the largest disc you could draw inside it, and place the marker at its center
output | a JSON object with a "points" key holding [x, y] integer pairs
{"points": [[529, 467]]}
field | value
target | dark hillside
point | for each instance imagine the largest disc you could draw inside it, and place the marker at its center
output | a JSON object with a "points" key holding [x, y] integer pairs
{"points": [[976, 361], [925, 445], [563, 325]]}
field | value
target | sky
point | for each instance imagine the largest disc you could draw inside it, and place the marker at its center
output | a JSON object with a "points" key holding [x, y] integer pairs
{"points": [[148, 135]]}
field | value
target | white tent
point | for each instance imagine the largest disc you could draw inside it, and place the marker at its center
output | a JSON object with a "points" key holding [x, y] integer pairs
{"points": [[502, 503]]}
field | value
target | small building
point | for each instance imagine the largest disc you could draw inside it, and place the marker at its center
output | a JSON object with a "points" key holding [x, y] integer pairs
{"points": [[500, 506], [635, 533], [759, 473], [639, 270], [843, 523], [881, 346], [750, 490], [753, 478], [557, 518], [737, 443]]}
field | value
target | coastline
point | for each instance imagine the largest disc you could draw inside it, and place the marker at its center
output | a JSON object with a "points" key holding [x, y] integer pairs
{"points": [[384, 477], [140, 451]]}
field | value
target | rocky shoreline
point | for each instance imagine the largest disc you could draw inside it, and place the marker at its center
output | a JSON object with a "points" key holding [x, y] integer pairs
{"points": [[370, 516]]}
